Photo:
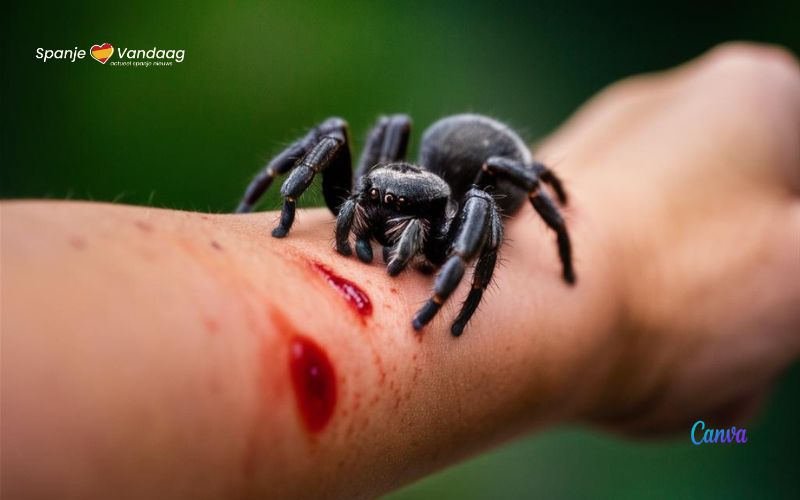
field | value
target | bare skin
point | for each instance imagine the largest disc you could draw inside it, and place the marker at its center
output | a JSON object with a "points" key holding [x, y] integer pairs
{"points": [[146, 352]]}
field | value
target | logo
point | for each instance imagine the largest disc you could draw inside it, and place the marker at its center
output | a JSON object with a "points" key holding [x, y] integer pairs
{"points": [[702, 435], [102, 53], [121, 56]]}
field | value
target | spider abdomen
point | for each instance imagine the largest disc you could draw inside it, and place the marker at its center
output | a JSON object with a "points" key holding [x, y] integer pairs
{"points": [[456, 147]]}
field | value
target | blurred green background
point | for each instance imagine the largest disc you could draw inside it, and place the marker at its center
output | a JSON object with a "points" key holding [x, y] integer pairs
{"points": [[256, 75]]}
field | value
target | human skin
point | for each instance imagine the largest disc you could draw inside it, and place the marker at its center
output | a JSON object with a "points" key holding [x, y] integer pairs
{"points": [[146, 352]]}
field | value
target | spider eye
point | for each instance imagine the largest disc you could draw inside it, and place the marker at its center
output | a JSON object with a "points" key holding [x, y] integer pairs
{"points": [[373, 193], [401, 200], [388, 199]]}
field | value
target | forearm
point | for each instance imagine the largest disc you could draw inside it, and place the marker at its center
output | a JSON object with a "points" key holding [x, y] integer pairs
{"points": [[149, 352]]}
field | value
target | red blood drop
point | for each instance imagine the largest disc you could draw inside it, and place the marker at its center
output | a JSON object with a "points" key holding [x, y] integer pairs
{"points": [[355, 296], [314, 382]]}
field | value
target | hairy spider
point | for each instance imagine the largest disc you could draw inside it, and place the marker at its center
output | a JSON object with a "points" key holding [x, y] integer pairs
{"points": [[442, 213]]}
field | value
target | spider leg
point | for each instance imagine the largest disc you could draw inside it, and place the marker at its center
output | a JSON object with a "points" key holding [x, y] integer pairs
{"points": [[547, 209], [407, 246], [528, 179], [387, 141], [474, 231], [335, 185], [548, 176], [344, 223], [513, 170], [371, 153], [351, 218], [525, 176], [387, 254], [395, 142], [329, 155], [481, 277], [363, 246], [280, 164]]}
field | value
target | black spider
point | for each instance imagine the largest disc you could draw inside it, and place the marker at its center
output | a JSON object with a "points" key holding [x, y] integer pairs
{"points": [[442, 213]]}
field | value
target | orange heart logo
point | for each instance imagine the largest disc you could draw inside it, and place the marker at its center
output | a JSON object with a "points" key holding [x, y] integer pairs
{"points": [[102, 52]]}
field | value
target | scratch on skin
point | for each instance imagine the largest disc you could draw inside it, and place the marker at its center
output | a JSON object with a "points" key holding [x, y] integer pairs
{"points": [[356, 298]]}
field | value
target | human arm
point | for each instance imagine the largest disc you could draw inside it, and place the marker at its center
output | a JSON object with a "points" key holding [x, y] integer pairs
{"points": [[146, 352]]}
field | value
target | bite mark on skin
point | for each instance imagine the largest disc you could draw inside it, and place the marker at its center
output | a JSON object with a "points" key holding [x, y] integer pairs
{"points": [[143, 226], [77, 243], [356, 298], [309, 375], [314, 382], [359, 304], [312, 375], [216, 246], [212, 326]]}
